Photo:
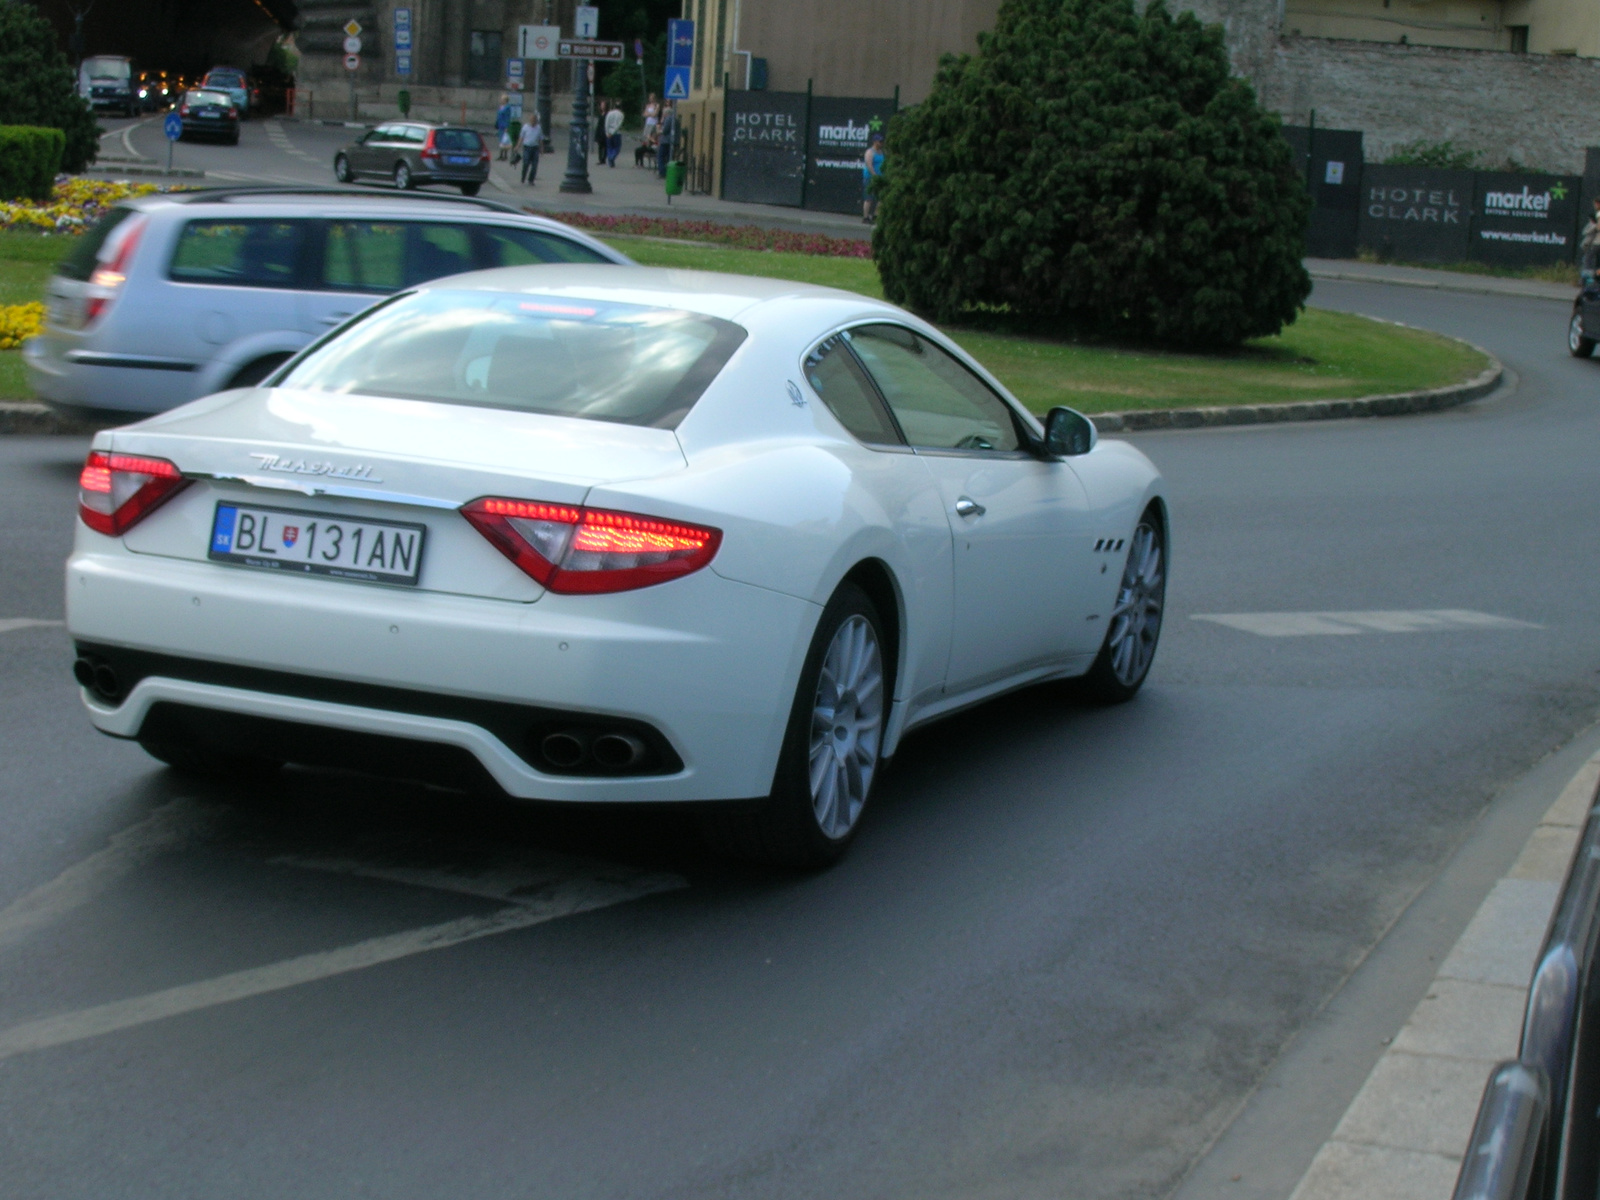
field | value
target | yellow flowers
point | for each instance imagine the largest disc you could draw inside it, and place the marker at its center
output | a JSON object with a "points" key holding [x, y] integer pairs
{"points": [[75, 203], [19, 321]]}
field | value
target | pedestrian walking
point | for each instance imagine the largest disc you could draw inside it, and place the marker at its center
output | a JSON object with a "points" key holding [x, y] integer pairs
{"points": [[871, 168], [502, 126], [600, 132], [666, 141], [528, 145], [613, 134]]}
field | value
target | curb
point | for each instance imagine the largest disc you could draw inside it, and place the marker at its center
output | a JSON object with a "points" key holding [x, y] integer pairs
{"points": [[1404, 1135], [1396, 405], [132, 168], [19, 416], [1474, 285]]}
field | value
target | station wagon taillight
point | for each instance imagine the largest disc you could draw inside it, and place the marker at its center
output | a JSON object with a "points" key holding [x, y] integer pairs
{"points": [[584, 551], [111, 272], [117, 491]]}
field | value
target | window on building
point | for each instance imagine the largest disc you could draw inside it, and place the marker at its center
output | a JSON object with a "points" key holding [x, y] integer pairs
{"points": [[1519, 38], [483, 56], [718, 68], [699, 46]]}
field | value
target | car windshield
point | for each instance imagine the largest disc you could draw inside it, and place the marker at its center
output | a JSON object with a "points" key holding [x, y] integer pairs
{"points": [[457, 139], [194, 98], [625, 363], [108, 68]]}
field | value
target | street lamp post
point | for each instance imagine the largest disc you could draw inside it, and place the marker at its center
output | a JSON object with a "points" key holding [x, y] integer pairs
{"points": [[541, 101], [577, 176]]}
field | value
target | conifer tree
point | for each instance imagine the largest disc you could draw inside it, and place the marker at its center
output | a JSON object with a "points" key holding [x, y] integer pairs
{"points": [[37, 84]]}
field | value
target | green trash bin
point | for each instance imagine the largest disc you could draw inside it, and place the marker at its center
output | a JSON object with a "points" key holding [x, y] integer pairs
{"points": [[674, 179], [405, 102]]}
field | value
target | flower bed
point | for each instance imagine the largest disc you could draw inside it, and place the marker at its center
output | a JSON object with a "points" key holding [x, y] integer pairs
{"points": [[75, 204], [19, 322], [745, 237]]}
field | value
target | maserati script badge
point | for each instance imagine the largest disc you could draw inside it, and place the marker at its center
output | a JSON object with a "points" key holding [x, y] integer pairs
{"points": [[355, 472]]}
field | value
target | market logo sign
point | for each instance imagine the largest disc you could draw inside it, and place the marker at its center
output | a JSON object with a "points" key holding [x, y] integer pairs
{"points": [[1523, 220], [1524, 203]]}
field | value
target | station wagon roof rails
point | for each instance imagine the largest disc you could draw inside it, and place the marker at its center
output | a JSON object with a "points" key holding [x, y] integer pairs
{"points": [[224, 195]]}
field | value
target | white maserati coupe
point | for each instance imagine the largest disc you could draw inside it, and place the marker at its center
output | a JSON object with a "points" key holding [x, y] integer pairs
{"points": [[601, 533]]}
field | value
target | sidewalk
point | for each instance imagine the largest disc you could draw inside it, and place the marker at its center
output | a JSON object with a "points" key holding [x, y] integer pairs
{"points": [[1403, 1136], [1352, 271], [627, 190]]}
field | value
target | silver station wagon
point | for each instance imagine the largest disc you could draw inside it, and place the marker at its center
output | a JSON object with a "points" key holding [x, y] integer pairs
{"points": [[173, 297]]}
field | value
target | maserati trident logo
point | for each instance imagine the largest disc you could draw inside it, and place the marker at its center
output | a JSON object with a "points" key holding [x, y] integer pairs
{"points": [[354, 472]]}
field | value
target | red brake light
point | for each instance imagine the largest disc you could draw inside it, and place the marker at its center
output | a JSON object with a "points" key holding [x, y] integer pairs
{"points": [[117, 491], [111, 273], [582, 551]]}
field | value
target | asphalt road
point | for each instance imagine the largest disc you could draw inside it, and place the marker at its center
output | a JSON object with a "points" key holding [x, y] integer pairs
{"points": [[1067, 946], [269, 151]]}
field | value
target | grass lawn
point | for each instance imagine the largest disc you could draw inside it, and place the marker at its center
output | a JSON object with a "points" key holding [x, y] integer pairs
{"points": [[1322, 356], [26, 260]]}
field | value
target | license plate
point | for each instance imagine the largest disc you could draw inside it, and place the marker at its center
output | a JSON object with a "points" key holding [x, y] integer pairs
{"points": [[456, 160], [210, 112], [311, 543]]}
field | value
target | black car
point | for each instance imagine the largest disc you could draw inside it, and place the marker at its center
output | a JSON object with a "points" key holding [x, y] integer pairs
{"points": [[412, 152], [209, 114]]}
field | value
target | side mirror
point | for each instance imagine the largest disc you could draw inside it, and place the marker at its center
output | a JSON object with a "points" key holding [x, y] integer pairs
{"points": [[1068, 433]]}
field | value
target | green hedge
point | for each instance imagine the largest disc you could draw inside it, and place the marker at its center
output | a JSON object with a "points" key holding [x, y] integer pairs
{"points": [[30, 156]]}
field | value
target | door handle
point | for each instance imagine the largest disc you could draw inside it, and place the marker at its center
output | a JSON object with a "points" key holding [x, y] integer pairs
{"points": [[966, 506]]}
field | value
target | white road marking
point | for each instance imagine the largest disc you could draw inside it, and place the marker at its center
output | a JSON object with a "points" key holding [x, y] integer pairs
{"points": [[279, 137], [127, 137], [1313, 624], [11, 624], [166, 828], [563, 900]]}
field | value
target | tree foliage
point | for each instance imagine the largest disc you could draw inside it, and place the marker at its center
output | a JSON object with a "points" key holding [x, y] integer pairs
{"points": [[1098, 171], [38, 86]]}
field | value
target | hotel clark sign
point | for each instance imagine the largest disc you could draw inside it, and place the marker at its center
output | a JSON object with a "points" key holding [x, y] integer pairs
{"points": [[1416, 214]]}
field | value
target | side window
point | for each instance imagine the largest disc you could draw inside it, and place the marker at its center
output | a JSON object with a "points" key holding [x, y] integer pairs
{"points": [[383, 133], [836, 376], [518, 247], [434, 251], [240, 253], [364, 256], [412, 134], [938, 402]]}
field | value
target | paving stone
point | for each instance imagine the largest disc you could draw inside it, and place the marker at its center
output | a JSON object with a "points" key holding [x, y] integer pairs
{"points": [[1547, 854], [1501, 943], [1461, 1019], [1344, 1171], [1417, 1102], [1577, 798]]}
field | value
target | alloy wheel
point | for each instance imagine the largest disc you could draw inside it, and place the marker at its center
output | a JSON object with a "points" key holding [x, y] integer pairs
{"points": [[846, 726], [1136, 618], [402, 177]]}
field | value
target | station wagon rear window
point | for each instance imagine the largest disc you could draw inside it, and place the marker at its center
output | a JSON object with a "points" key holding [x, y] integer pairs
{"points": [[625, 363], [457, 139]]}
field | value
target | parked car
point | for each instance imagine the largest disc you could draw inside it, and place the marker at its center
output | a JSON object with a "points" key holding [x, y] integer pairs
{"points": [[609, 535], [106, 81], [209, 114], [1583, 328], [409, 153], [175, 296], [232, 81]]}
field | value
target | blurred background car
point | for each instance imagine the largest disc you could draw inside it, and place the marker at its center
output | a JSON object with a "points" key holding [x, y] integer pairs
{"points": [[234, 83], [106, 82], [209, 114], [176, 296], [409, 153]]}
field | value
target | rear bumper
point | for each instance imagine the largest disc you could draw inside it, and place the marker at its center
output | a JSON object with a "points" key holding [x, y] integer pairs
{"points": [[708, 663]]}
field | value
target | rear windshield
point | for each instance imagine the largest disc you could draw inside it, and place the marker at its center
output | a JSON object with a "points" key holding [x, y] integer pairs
{"points": [[80, 260], [224, 79], [205, 98], [108, 68], [457, 139], [624, 363]]}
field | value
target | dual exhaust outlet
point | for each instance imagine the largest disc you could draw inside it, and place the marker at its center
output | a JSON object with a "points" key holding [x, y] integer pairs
{"points": [[99, 678], [576, 749]]}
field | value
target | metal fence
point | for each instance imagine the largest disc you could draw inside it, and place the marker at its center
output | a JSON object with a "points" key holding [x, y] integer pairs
{"points": [[1537, 1136]]}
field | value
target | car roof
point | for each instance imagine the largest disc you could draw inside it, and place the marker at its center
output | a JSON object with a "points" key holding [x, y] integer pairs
{"points": [[709, 292], [359, 200]]}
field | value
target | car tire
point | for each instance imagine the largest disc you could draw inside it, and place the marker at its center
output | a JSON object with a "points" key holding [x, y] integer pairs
{"points": [[832, 748], [1129, 647], [402, 177], [1578, 345], [470, 189], [204, 763], [253, 373], [341, 169]]}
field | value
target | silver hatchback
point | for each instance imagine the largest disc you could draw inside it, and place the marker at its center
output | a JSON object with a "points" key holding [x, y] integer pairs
{"points": [[173, 297]]}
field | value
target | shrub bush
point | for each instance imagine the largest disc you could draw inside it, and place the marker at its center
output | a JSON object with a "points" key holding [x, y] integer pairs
{"points": [[30, 155], [1096, 171], [38, 86]]}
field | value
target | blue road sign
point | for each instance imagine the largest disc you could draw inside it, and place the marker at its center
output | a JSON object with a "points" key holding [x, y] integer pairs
{"points": [[173, 127], [680, 43], [677, 83]]}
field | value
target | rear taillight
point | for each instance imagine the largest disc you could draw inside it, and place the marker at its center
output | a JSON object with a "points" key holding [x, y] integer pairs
{"points": [[117, 491], [429, 150], [232, 112], [111, 273], [581, 551], [183, 109]]}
